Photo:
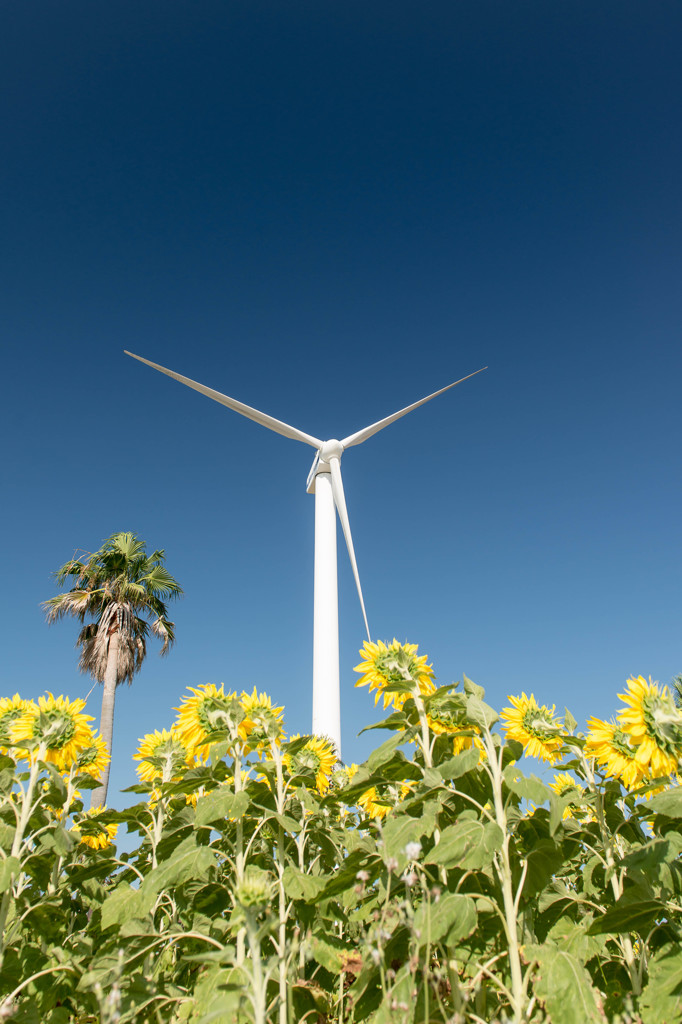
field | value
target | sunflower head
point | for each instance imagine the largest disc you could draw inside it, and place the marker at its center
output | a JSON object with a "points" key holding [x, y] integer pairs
{"points": [[94, 759], [162, 755], [264, 722], [11, 709], [613, 750], [534, 726], [317, 755], [396, 666], [566, 786], [653, 724], [210, 714], [377, 804], [56, 730], [98, 835]]}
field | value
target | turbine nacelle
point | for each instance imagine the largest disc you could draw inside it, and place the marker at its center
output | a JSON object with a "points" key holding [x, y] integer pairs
{"points": [[332, 449]]}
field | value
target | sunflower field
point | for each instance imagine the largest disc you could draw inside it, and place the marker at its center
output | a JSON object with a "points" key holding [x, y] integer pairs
{"points": [[264, 882]]}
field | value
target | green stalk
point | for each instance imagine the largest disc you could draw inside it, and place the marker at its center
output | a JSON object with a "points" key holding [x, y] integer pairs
{"points": [[616, 879], [259, 995], [504, 872], [282, 900], [26, 807], [239, 856]]}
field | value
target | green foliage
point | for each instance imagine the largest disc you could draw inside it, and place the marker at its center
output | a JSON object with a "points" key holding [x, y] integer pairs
{"points": [[476, 892]]}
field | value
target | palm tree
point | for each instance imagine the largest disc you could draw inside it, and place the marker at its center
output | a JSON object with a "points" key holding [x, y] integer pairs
{"points": [[123, 590]]}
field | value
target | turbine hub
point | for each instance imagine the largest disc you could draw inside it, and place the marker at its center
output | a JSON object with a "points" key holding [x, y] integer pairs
{"points": [[331, 450]]}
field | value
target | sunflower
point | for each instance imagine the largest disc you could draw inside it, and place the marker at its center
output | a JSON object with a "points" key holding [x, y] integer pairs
{"points": [[317, 755], [374, 806], [210, 710], [610, 746], [343, 774], [58, 725], [162, 754], [11, 709], [442, 717], [654, 725], [565, 785], [461, 741], [98, 838], [393, 664], [265, 723], [534, 726], [378, 806], [93, 760]]}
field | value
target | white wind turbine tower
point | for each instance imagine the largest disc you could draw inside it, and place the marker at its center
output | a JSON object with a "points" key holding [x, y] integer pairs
{"points": [[324, 481]]}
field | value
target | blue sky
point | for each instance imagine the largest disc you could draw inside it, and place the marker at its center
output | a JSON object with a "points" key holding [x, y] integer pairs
{"points": [[327, 212]]}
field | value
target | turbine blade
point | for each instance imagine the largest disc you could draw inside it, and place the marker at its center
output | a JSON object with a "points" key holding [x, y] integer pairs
{"points": [[340, 502], [245, 410], [361, 435]]}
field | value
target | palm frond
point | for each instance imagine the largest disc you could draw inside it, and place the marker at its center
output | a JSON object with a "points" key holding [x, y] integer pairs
{"points": [[124, 591], [165, 630]]}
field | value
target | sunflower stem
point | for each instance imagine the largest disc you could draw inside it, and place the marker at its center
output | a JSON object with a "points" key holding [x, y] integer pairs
{"points": [[17, 842], [504, 872]]}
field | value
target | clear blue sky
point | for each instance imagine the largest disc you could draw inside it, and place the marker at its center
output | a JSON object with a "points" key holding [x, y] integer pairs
{"points": [[328, 211]]}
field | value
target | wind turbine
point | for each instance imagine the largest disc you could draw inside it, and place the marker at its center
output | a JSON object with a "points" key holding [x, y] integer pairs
{"points": [[324, 481]]}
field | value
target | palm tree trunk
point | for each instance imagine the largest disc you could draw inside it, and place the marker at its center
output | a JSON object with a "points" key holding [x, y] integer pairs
{"points": [[106, 722]]}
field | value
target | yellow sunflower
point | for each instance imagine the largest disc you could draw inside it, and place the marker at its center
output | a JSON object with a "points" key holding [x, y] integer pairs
{"points": [[565, 785], [377, 805], [210, 710], [534, 726], [163, 755], [654, 725], [11, 709], [264, 722], [93, 760], [610, 746], [317, 756], [374, 806], [461, 742], [392, 664], [58, 725], [99, 837]]}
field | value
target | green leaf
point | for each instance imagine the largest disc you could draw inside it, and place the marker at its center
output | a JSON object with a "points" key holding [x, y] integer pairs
{"points": [[480, 713], [469, 844], [9, 869], [629, 914], [188, 861], [398, 831], [220, 805], [300, 886], [668, 803], [331, 952], [564, 986], [569, 720], [452, 918], [661, 1001], [527, 787], [471, 688], [398, 1006], [120, 905], [384, 753], [458, 766]]}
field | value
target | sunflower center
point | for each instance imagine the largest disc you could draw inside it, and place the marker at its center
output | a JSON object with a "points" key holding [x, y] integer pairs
{"points": [[54, 728], [6, 720], [308, 759], [620, 743], [663, 723], [538, 722]]}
